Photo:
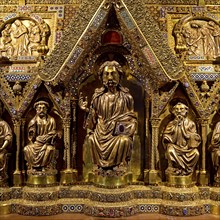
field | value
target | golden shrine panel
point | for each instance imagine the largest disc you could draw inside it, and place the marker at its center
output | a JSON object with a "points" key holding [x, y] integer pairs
{"points": [[110, 108]]}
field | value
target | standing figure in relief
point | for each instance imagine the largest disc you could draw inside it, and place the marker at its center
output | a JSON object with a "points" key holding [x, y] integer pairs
{"points": [[215, 31], [34, 37], [181, 140], [6, 41], [111, 120], [215, 152], [208, 40], [195, 39], [20, 33], [41, 135], [5, 141], [45, 32]]}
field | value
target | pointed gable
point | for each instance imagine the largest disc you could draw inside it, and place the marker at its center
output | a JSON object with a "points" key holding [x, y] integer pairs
{"points": [[86, 28]]}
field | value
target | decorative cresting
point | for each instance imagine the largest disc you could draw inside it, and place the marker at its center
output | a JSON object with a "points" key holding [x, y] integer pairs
{"points": [[43, 2], [73, 45], [197, 37], [13, 2]]}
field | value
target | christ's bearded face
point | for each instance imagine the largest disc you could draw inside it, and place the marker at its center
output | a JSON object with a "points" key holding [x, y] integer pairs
{"points": [[110, 76]]}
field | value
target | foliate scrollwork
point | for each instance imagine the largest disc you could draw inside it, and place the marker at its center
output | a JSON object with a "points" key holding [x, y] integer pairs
{"points": [[205, 90], [67, 106], [193, 93]]}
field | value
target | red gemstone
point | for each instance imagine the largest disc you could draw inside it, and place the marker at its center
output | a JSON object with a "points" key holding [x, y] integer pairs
{"points": [[112, 37]]}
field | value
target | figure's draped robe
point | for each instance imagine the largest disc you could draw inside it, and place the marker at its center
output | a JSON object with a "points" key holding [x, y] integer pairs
{"points": [[5, 135], [39, 153], [215, 146], [181, 141], [22, 41], [110, 148]]}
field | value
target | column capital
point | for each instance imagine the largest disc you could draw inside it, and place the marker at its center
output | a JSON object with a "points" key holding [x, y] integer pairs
{"points": [[155, 122]]}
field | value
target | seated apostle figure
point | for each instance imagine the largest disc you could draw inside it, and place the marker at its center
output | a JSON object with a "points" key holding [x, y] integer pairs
{"points": [[215, 152], [5, 142], [181, 141], [41, 135]]}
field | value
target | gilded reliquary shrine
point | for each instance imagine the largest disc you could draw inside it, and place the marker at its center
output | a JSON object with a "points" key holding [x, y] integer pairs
{"points": [[110, 108]]}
